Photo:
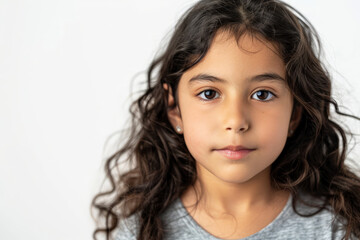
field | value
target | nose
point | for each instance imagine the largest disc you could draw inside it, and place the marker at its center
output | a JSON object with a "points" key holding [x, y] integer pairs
{"points": [[236, 117]]}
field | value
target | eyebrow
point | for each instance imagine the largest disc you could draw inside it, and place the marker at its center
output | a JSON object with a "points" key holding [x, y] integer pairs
{"points": [[203, 77]]}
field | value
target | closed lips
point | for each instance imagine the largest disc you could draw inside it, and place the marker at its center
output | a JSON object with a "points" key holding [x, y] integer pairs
{"points": [[235, 148], [234, 153]]}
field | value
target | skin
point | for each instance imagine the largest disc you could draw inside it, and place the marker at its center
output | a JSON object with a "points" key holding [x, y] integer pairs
{"points": [[237, 197]]}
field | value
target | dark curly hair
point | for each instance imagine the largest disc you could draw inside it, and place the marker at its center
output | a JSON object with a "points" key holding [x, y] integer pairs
{"points": [[161, 167]]}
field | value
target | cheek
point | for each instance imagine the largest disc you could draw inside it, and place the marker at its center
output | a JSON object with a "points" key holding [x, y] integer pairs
{"points": [[196, 127], [196, 118], [194, 136], [199, 128], [272, 132]]}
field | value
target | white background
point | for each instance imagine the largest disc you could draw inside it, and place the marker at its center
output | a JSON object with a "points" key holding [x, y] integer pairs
{"points": [[65, 73]]}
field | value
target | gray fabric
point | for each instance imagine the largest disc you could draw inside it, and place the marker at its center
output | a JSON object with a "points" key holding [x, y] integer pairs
{"points": [[287, 225]]}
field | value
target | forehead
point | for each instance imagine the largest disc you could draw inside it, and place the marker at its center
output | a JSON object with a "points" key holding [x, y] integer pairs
{"points": [[227, 58]]}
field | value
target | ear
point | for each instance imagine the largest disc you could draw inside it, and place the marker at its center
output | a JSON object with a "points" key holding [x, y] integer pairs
{"points": [[295, 119], [173, 111]]}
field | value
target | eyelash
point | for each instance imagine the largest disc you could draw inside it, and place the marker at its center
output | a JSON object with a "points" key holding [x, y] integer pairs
{"points": [[261, 90]]}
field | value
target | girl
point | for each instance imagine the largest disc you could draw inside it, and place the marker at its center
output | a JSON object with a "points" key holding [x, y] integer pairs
{"points": [[233, 138]]}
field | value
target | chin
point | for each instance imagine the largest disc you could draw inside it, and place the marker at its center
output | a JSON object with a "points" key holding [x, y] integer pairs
{"points": [[237, 179]]}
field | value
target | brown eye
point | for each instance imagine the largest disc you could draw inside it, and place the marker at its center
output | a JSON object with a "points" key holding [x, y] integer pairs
{"points": [[208, 94], [263, 95]]}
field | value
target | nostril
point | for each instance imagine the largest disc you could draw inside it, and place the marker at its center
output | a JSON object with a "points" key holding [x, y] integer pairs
{"points": [[240, 130]]}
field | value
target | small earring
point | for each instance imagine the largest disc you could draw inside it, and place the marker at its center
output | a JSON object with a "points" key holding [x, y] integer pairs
{"points": [[291, 132], [178, 128]]}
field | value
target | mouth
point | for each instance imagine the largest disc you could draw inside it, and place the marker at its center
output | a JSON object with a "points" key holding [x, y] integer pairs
{"points": [[234, 152]]}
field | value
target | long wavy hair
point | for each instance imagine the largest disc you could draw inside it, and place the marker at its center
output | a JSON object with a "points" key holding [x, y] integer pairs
{"points": [[160, 165]]}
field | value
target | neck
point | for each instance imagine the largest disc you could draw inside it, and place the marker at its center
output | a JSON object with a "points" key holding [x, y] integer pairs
{"points": [[212, 194]]}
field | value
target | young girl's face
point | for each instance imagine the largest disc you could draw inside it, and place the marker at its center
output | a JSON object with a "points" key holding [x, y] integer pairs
{"points": [[236, 96]]}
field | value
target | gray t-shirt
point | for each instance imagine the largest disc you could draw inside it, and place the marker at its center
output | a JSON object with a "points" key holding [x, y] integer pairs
{"points": [[180, 225]]}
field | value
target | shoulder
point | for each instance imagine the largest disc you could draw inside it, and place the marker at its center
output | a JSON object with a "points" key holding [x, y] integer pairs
{"points": [[174, 224], [128, 228], [177, 224], [305, 221]]}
